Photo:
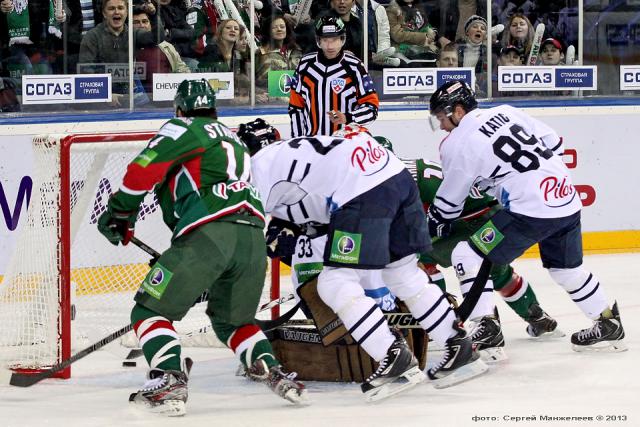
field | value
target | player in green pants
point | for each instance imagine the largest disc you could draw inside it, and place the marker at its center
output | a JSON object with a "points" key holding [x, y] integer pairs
{"points": [[199, 171]]}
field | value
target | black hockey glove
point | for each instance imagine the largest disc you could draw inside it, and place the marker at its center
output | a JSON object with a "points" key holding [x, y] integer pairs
{"points": [[117, 226], [281, 238], [314, 229], [438, 226]]}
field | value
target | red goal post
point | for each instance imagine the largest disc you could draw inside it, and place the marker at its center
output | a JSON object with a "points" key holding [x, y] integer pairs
{"points": [[66, 286]]}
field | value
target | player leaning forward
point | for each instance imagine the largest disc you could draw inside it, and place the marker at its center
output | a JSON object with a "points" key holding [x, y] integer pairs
{"points": [[375, 218], [516, 158], [198, 170]]}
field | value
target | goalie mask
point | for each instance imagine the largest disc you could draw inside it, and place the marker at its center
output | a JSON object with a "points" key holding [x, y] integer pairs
{"points": [[351, 131], [257, 135], [193, 95]]}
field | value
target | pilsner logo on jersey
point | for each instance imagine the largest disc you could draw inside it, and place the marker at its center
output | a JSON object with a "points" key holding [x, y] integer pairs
{"points": [[557, 193], [369, 159]]}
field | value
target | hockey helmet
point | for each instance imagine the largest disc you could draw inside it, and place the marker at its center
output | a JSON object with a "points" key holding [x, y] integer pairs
{"points": [[384, 142], [257, 135], [450, 94], [330, 26], [194, 95], [350, 131]]}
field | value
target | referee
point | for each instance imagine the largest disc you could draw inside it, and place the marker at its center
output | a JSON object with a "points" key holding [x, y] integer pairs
{"points": [[330, 87]]}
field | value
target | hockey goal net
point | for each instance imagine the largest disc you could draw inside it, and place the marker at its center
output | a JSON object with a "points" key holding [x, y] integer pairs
{"points": [[66, 286]]}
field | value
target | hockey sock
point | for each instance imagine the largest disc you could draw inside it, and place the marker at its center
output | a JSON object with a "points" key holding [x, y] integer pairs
{"points": [[583, 288], [467, 266], [426, 301], [339, 288], [249, 344], [514, 289], [435, 276], [158, 339]]}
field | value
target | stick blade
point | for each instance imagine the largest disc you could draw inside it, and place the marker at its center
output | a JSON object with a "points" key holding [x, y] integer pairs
{"points": [[23, 380]]}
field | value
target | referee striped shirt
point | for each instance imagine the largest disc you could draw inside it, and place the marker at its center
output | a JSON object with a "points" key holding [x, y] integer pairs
{"points": [[321, 85]]}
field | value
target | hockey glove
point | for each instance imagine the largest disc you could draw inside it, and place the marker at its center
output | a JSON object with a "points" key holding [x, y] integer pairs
{"points": [[438, 225], [281, 238], [117, 226]]}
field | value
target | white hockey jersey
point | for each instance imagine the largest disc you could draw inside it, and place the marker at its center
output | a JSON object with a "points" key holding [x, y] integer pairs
{"points": [[305, 179], [514, 157]]}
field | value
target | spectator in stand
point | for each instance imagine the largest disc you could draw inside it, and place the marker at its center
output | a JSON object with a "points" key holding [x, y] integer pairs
{"points": [[552, 52], [448, 56], [378, 33], [108, 42], [163, 58], [509, 56], [411, 32], [473, 50], [353, 25], [177, 30], [519, 33], [279, 50]]}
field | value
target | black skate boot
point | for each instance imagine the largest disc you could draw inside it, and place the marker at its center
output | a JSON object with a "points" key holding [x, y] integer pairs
{"points": [[397, 372], [605, 335], [165, 392], [541, 324], [459, 362], [488, 340], [281, 383]]}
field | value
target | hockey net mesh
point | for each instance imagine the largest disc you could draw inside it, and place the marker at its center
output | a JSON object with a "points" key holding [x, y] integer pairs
{"points": [[104, 278]]}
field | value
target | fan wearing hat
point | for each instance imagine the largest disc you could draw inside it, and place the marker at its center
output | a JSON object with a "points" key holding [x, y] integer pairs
{"points": [[471, 51], [510, 55], [552, 52]]}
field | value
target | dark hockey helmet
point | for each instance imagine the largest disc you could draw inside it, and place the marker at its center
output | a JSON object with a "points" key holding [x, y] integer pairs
{"points": [[330, 26], [450, 94], [384, 142], [257, 135], [194, 95]]}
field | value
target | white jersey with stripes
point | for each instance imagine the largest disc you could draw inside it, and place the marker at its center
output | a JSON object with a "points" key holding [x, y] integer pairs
{"points": [[307, 178], [514, 157]]}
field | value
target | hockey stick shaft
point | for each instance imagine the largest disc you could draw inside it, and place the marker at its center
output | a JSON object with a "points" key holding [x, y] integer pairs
{"points": [[27, 380], [476, 290], [535, 47], [302, 10]]}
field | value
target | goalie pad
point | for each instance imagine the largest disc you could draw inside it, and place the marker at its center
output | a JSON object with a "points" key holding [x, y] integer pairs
{"points": [[300, 350], [330, 327]]}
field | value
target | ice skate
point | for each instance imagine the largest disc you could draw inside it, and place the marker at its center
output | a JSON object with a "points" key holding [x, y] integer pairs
{"points": [[165, 392], [605, 335], [281, 383], [397, 372], [488, 340], [541, 325], [459, 362]]}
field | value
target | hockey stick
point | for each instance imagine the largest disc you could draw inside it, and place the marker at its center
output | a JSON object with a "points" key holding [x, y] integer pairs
{"points": [[235, 14], [535, 47], [27, 380], [472, 297], [570, 56]]}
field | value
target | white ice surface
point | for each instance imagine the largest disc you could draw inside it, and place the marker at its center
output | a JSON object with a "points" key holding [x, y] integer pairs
{"points": [[540, 379]]}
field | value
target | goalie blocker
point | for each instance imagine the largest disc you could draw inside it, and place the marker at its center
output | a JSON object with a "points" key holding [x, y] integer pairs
{"points": [[326, 351]]}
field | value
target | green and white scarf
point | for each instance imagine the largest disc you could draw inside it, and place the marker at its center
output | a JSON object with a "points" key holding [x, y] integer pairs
{"points": [[18, 22]]}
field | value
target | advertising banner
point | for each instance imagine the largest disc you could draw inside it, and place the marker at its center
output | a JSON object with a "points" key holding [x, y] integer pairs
{"points": [[412, 81], [66, 89], [165, 85], [630, 77], [279, 83], [543, 78]]}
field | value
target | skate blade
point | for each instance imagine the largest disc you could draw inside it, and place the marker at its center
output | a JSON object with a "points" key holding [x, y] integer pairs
{"points": [[602, 347], [463, 373], [168, 408], [556, 333], [493, 355], [301, 399], [412, 377]]}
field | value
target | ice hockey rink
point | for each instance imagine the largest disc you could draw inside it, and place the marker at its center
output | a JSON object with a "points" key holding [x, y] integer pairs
{"points": [[543, 383]]}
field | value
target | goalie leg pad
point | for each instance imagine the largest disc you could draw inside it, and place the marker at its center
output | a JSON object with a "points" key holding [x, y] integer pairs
{"points": [[329, 324], [583, 288]]}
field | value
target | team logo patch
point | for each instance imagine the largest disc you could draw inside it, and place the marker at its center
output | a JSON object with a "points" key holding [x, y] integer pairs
{"points": [[487, 238], [338, 84], [157, 280], [345, 247]]}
